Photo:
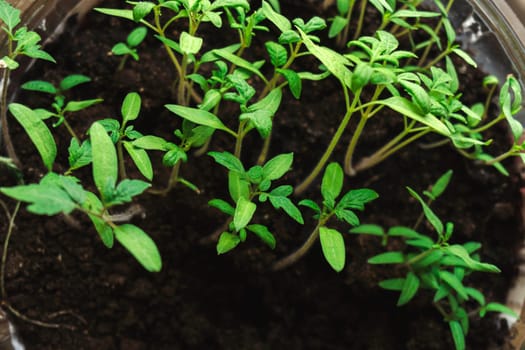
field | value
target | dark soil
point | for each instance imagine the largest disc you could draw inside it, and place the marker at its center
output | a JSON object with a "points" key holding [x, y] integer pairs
{"points": [[58, 273]]}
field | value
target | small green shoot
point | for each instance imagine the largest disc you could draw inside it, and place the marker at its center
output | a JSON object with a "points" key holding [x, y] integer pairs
{"points": [[60, 105], [245, 187], [436, 265], [332, 241], [129, 48]]}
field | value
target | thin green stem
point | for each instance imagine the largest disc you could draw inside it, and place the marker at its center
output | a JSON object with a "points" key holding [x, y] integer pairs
{"points": [[122, 62], [335, 140], [172, 181], [384, 153], [425, 54], [299, 253], [360, 21], [8, 143], [70, 129], [357, 133], [488, 125], [240, 138], [10, 229], [121, 163], [343, 37]]}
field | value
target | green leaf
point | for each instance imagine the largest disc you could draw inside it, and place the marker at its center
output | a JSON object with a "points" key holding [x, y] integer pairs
{"points": [[361, 76], [40, 86], [229, 3], [263, 233], [294, 81], [223, 206], [310, 204], [122, 13], [200, 117], [277, 52], [388, 258], [130, 107], [136, 36], [151, 142], [407, 108], [140, 245], [239, 61], [79, 155], [462, 253], [333, 246], [9, 63], [270, 102], [37, 131], [276, 18], [190, 44], [454, 282], [9, 15], [356, 199], [261, 119], [126, 190], [465, 56], [141, 159], [244, 211], [75, 106], [228, 160], [476, 295], [279, 199], [332, 60], [44, 200], [104, 230], [368, 229], [227, 242], [73, 80], [338, 24], [348, 216], [441, 184], [276, 167], [142, 9], [457, 334], [401, 231], [427, 258], [105, 163], [410, 288], [237, 186], [395, 284], [419, 95], [429, 214], [497, 307], [332, 182]]}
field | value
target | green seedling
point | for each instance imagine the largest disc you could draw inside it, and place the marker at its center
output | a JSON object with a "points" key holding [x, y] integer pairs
{"points": [[123, 134], [56, 194], [436, 265], [20, 42], [60, 105], [129, 48], [332, 241], [245, 187], [403, 19]]}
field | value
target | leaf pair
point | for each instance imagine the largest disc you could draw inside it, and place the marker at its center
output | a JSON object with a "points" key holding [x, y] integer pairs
{"points": [[332, 242]]}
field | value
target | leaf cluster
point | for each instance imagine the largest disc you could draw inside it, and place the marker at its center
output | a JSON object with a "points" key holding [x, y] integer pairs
{"points": [[436, 265]]}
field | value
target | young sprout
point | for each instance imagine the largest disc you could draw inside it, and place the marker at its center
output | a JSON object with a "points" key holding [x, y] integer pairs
{"points": [[20, 42], [129, 48], [436, 265], [60, 105], [332, 241]]}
